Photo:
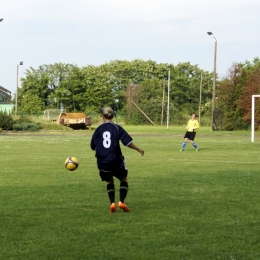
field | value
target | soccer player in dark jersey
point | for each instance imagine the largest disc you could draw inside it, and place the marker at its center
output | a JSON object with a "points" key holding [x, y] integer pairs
{"points": [[110, 160]]}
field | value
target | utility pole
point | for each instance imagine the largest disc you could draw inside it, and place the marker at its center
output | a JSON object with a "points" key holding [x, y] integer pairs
{"points": [[200, 96], [16, 98], [163, 102], [168, 102]]}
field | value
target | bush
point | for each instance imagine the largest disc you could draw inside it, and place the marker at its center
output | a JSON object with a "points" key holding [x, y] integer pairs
{"points": [[6, 121], [16, 127], [24, 123], [27, 127], [23, 119]]}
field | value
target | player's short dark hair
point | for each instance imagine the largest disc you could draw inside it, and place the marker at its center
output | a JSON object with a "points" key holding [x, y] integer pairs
{"points": [[107, 112]]}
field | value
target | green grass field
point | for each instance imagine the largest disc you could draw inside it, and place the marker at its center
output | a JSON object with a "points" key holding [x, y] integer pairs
{"points": [[183, 205]]}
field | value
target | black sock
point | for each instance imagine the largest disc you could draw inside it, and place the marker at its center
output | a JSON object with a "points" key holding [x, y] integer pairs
{"points": [[111, 192], [123, 190]]}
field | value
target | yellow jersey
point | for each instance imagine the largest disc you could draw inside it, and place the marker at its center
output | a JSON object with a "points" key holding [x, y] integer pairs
{"points": [[192, 125]]}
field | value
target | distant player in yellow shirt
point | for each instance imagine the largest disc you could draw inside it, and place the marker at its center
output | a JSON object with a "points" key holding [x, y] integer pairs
{"points": [[191, 127]]}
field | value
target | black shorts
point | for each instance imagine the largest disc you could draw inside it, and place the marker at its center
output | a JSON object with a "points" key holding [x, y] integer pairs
{"points": [[107, 174], [190, 135]]}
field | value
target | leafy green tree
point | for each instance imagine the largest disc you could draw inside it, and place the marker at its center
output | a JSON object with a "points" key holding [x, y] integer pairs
{"points": [[35, 83], [245, 103], [31, 104], [185, 88], [92, 87], [228, 93], [148, 96], [234, 94], [184, 92], [46, 80]]}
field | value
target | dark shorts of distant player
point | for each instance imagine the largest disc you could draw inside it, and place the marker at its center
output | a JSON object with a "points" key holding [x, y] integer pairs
{"points": [[107, 174], [190, 135]]}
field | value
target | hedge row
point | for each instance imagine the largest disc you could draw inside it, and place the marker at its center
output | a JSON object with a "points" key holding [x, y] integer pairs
{"points": [[27, 127], [21, 124]]}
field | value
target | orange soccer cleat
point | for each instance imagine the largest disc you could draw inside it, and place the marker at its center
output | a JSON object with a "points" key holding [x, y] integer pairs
{"points": [[123, 206], [113, 208]]}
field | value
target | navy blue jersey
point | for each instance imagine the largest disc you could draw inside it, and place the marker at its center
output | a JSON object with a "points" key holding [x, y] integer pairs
{"points": [[105, 141]]}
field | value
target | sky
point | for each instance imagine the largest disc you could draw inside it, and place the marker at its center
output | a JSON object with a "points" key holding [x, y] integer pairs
{"points": [[94, 32]]}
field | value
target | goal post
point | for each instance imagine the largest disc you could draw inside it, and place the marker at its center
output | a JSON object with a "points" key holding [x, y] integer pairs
{"points": [[253, 117]]}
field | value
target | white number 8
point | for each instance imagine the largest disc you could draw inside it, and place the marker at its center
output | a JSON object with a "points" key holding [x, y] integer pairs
{"points": [[107, 139]]}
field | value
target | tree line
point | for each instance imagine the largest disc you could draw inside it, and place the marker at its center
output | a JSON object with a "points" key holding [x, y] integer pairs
{"points": [[235, 94], [120, 84]]}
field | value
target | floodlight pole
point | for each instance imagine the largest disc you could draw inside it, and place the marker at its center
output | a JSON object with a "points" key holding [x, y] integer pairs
{"points": [[16, 98], [200, 96], [214, 84], [168, 102]]}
